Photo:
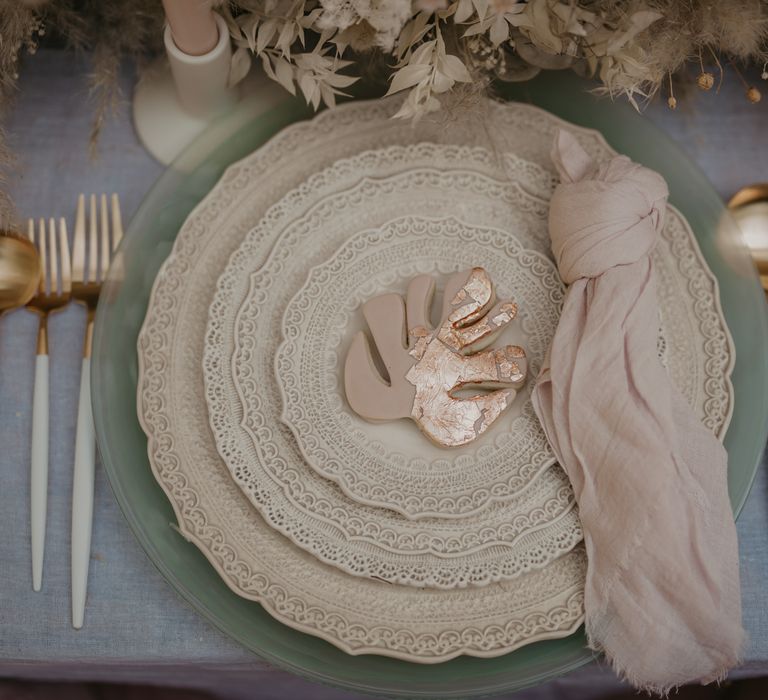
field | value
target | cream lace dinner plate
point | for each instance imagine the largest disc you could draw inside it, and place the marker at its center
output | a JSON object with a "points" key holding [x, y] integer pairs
{"points": [[245, 406], [392, 465], [357, 615], [500, 542]]}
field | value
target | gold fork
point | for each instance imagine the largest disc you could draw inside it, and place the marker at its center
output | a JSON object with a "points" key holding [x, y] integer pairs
{"points": [[50, 296], [90, 264]]}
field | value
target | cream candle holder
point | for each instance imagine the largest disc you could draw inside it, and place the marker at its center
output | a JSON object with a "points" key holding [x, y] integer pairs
{"points": [[180, 95]]}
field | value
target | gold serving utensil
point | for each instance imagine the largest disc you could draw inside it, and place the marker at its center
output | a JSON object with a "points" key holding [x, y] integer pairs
{"points": [[19, 271], [96, 252], [53, 293], [749, 206]]}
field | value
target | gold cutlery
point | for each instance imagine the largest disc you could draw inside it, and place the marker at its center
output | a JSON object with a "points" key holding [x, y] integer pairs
{"points": [[19, 271], [749, 207], [91, 257], [53, 293]]}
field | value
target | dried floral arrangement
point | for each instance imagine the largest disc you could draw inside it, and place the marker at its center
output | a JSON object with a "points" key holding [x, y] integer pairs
{"points": [[632, 47], [319, 48]]}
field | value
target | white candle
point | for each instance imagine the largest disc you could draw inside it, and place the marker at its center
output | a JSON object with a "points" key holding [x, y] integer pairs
{"points": [[193, 25]]}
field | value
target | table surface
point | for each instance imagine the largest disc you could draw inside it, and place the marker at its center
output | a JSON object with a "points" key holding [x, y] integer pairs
{"points": [[136, 628]]}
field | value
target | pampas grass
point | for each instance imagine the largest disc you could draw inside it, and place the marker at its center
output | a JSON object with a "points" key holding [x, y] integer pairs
{"points": [[113, 31]]}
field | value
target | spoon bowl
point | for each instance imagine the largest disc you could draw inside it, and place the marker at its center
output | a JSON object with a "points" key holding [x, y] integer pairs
{"points": [[19, 271], [749, 207]]}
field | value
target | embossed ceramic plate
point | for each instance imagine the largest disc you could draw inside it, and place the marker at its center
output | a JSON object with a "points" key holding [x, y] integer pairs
{"points": [[256, 562], [393, 465], [358, 615], [500, 542], [245, 322]]}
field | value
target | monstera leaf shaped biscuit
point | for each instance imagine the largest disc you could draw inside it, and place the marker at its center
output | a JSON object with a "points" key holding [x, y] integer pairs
{"points": [[428, 367]]}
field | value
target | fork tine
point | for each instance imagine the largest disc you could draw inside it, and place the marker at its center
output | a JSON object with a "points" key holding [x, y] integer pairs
{"points": [[41, 246], [105, 249], [31, 230], [66, 271], [78, 249], [53, 255], [92, 241], [117, 223]]}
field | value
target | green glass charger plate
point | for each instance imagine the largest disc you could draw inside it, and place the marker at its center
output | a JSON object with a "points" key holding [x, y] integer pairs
{"points": [[123, 446]]}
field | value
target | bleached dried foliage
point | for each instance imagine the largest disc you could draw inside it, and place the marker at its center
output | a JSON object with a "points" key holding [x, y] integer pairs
{"points": [[630, 46], [429, 47]]}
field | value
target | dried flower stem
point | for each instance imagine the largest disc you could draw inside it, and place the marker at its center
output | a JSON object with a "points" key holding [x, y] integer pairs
{"points": [[738, 73], [671, 101], [719, 67]]}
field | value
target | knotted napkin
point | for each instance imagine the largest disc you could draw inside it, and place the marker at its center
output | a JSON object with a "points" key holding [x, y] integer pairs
{"points": [[662, 591]]}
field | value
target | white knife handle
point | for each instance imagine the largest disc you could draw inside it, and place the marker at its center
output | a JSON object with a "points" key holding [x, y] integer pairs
{"points": [[82, 497], [39, 469]]}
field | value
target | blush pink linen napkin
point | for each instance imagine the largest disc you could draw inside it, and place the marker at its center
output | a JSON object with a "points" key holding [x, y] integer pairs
{"points": [[662, 591]]}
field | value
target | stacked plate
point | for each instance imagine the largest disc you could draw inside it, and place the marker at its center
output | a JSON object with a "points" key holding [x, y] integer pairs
{"points": [[367, 535]]}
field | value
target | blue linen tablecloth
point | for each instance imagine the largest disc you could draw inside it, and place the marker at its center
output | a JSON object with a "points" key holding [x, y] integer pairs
{"points": [[136, 628]]}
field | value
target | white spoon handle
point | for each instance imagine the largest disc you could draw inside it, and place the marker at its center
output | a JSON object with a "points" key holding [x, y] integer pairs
{"points": [[39, 469]]}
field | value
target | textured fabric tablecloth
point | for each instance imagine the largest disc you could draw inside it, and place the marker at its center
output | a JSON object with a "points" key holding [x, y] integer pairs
{"points": [[136, 628]]}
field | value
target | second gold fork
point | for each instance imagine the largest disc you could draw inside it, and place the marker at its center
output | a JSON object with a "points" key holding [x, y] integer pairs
{"points": [[91, 257]]}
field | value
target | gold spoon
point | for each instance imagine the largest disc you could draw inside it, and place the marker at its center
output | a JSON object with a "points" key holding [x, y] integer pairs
{"points": [[19, 271], [749, 206]]}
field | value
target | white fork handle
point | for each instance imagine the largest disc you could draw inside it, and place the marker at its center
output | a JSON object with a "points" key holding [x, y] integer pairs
{"points": [[82, 497], [39, 469]]}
